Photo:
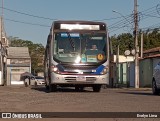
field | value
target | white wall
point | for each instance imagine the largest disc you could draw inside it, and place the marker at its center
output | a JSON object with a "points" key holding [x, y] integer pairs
{"points": [[123, 58]]}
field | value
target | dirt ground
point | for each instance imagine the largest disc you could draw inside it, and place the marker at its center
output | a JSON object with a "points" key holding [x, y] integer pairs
{"points": [[30, 99]]}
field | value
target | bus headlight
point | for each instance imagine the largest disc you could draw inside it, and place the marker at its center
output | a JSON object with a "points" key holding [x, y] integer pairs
{"points": [[78, 59], [105, 70], [55, 69]]}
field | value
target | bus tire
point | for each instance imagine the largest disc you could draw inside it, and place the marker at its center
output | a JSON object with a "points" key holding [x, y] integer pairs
{"points": [[47, 87], [52, 88], [155, 90], [35, 84], [81, 88], [76, 88], [96, 88]]}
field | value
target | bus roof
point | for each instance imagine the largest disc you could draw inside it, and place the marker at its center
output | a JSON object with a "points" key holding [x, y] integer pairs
{"points": [[78, 22], [88, 25]]}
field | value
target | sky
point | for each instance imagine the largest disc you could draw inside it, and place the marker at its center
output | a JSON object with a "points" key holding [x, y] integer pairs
{"points": [[31, 19]]}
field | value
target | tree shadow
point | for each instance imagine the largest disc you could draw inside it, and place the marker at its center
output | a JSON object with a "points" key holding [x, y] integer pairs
{"points": [[138, 93]]}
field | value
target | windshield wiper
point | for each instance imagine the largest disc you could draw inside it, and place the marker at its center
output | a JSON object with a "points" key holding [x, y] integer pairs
{"points": [[88, 37], [71, 41]]}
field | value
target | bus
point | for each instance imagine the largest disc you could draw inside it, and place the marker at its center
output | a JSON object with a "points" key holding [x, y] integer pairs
{"points": [[77, 55]]}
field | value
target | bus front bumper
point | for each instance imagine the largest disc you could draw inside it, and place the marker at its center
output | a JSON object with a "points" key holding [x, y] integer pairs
{"points": [[79, 79]]}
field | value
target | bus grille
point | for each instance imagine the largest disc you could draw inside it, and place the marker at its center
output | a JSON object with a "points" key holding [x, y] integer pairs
{"points": [[80, 67], [88, 79]]}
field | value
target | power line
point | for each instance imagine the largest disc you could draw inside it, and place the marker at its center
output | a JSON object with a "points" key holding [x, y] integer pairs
{"points": [[29, 14], [151, 27], [108, 19], [151, 16], [43, 18], [115, 26], [26, 23], [120, 24], [51, 18], [121, 21]]}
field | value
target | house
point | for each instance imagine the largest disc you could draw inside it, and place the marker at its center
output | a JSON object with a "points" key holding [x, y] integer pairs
{"points": [[147, 64], [126, 68], [18, 62], [122, 71]]}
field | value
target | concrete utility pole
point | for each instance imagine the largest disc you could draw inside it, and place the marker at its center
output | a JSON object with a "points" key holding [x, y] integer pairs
{"points": [[1, 47], [142, 45], [1, 22], [117, 64], [0, 29], [136, 45]]}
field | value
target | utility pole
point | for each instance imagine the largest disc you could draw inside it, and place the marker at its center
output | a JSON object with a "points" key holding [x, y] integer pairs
{"points": [[117, 64], [1, 29], [136, 45], [1, 47], [1, 22], [142, 44]]}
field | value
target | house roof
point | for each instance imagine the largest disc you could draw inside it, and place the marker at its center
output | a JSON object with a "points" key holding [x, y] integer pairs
{"points": [[18, 52], [153, 56], [152, 50]]}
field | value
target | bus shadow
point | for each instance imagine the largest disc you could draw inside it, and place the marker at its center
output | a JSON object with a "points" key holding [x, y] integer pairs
{"points": [[59, 89], [138, 93]]}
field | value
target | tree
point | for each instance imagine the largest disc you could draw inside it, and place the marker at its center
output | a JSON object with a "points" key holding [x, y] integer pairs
{"points": [[151, 39], [114, 43], [125, 41]]}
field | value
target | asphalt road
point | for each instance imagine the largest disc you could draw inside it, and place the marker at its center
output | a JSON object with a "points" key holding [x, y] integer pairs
{"points": [[31, 99]]}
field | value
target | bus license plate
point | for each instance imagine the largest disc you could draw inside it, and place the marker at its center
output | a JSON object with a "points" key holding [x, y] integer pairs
{"points": [[81, 78]]}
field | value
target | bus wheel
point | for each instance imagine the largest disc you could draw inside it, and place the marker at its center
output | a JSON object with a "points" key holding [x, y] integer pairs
{"points": [[76, 88], [47, 87], [52, 88], [35, 84], [154, 88], [96, 88], [81, 88]]}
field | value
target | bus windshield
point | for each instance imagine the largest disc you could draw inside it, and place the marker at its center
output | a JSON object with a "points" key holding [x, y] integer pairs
{"points": [[80, 47]]}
